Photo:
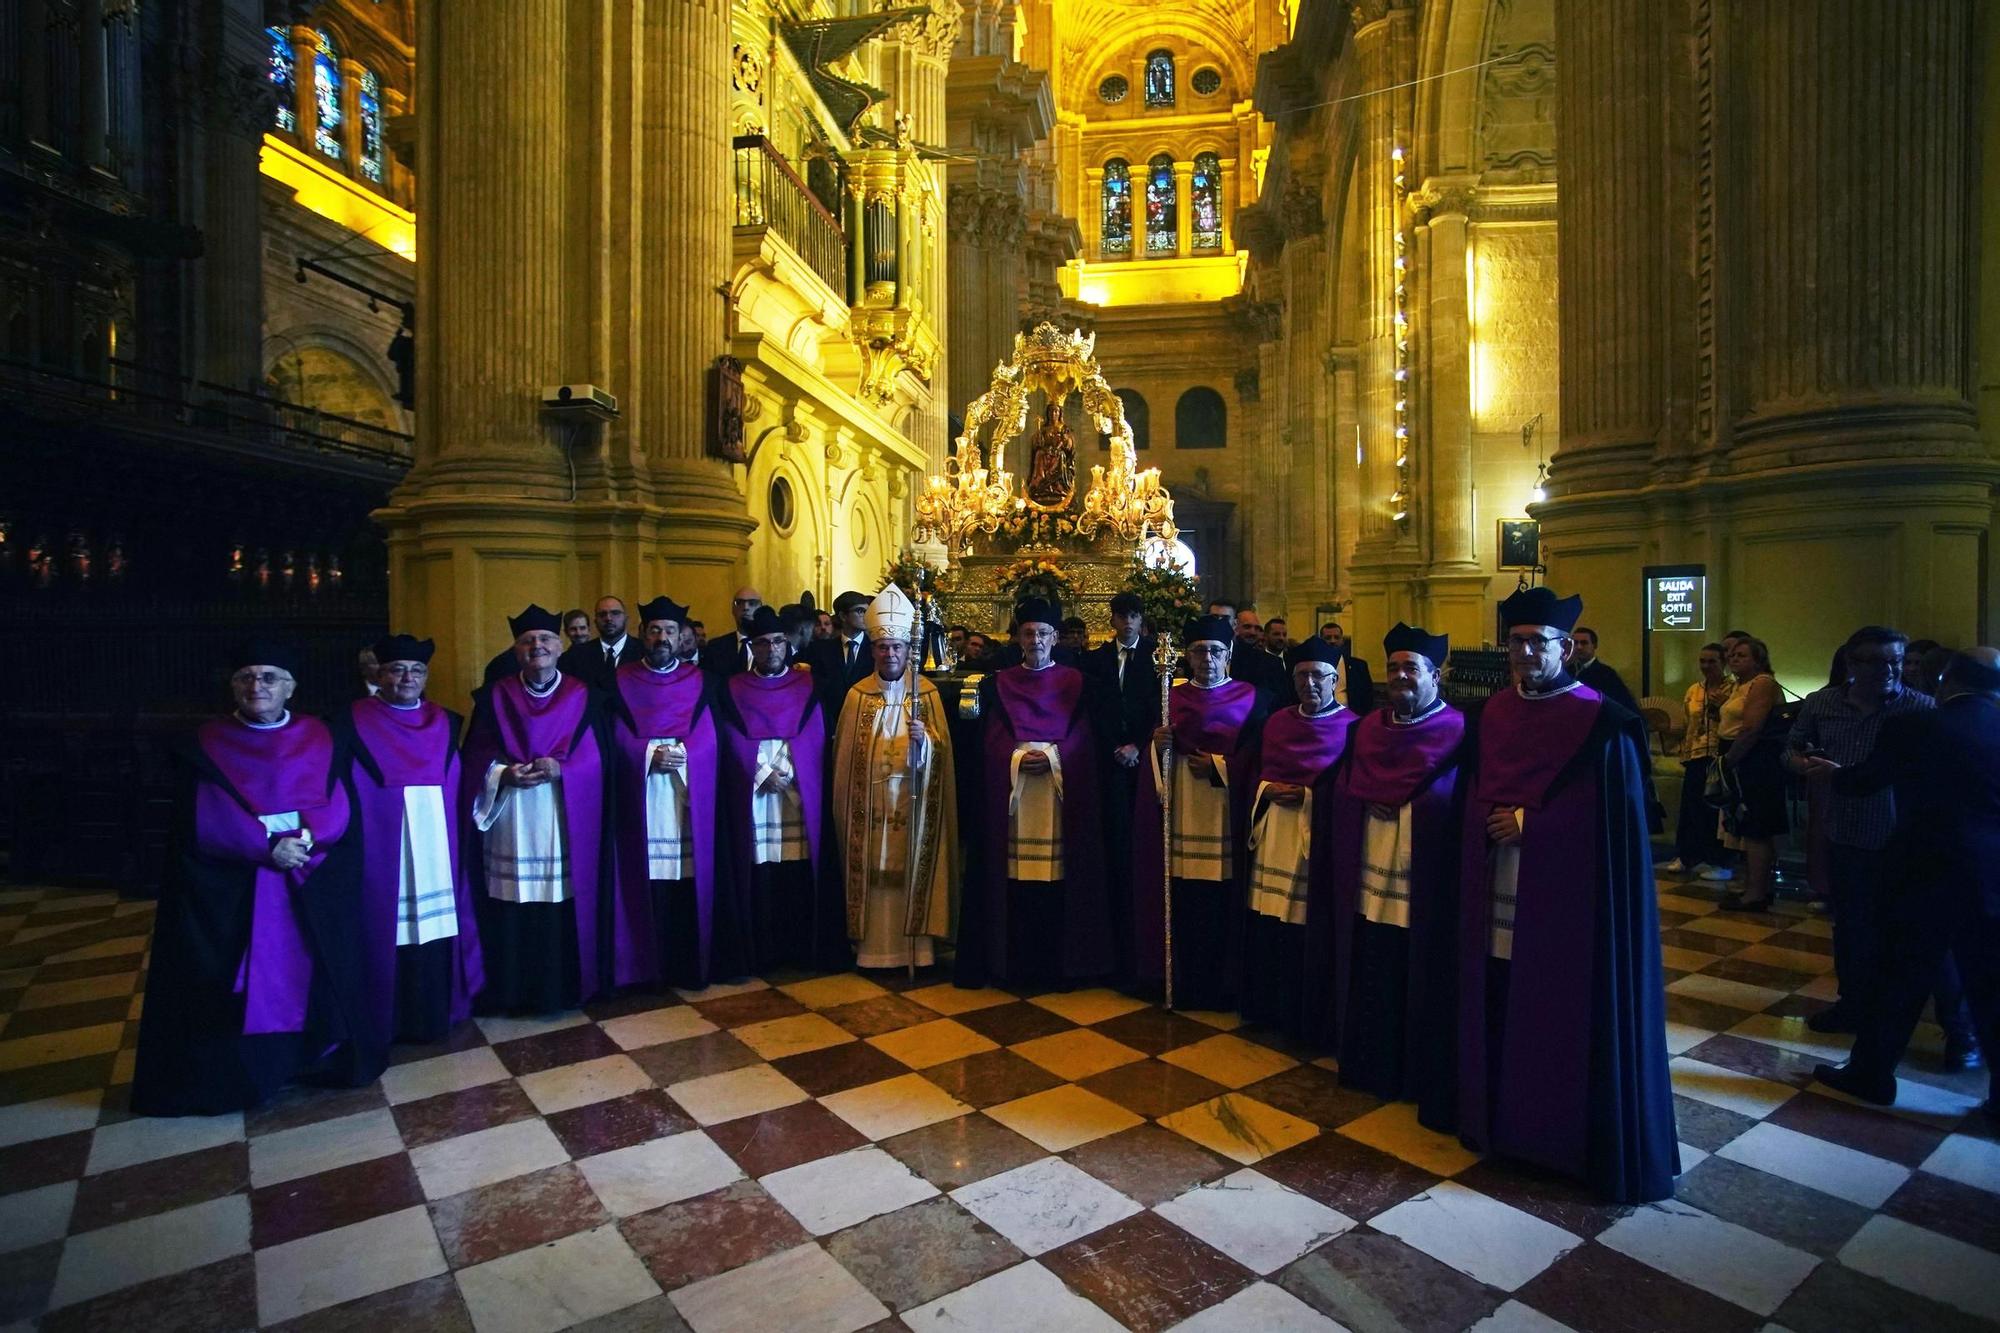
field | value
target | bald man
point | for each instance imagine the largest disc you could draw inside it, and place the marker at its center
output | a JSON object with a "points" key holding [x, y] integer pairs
{"points": [[596, 661], [729, 654]]}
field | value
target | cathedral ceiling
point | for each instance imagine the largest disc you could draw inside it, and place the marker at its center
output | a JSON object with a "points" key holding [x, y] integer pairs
{"points": [[1089, 31]]}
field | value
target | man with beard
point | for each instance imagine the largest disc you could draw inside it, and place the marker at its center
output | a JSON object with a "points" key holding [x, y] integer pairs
{"points": [[1562, 1042], [1212, 724], [596, 661], [774, 788], [1040, 906], [256, 977], [419, 925], [534, 780], [669, 816], [1285, 780], [895, 801], [1129, 689], [1388, 931]]}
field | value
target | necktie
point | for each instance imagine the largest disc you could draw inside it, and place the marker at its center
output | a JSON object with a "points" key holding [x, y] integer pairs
{"points": [[1122, 651], [850, 652], [610, 657]]}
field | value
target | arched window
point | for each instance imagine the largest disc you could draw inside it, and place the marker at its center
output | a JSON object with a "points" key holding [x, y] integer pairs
{"points": [[1205, 202], [1116, 232], [326, 98], [1138, 416], [1201, 420], [286, 117], [373, 158], [1162, 209], [1160, 78]]}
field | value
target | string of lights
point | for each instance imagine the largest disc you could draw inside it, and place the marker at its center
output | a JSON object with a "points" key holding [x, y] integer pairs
{"points": [[1399, 499]]}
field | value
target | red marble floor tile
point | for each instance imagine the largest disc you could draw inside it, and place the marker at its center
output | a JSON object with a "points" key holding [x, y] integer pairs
{"points": [[1840, 1300], [551, 1050], [1314, 1094], [330, 1199], [1758, 1058], [1669, 919], [26, 1278], [516, 1214], [1700, 940], [1155, 1031], [159, 1187], [638, 1002], [63, 1017], [1792, 1006], [1758, 974], [991, 1077], [694, 1057], [216, 1296], [711, 1233], [1705, 1014], [450, 1114], [1557, 1200], [1598, 1290], [1950, 1208], [88, 967], [432, 1305], [879, 1014], [461, 1038], [757, 1006], [296, 1106], [1153, 1088], [919, 1253], [1706, 1126], [1366, 1280], [1794, 1214], [38, 1162], [959, 1151], [619, 1122], [35, 1082], [1016, 1022], [1149, 1164], [1147, 1273], [788, 1136], [1804, 943], [1346, 1176], [836, 1068], [1862, 1128]]}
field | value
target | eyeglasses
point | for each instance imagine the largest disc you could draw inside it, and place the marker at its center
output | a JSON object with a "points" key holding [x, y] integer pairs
{"points": [[268, 679], [1534, 643]]}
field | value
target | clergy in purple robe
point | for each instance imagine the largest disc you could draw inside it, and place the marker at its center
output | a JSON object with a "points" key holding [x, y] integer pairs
{"points": [[534, 788], [1387, 945], [1282, 853], [665, 753], [1213, 723], [256, 977], [774, 788], [1562, 1035], [1039, 893], [419, 926]]}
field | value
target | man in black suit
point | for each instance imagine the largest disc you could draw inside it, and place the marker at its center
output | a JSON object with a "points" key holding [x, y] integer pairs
{"points": [[843, 661], [1128, 691], [596, 661], [731, 653], [1249, 661], [1945, 856], [1600, 675]]}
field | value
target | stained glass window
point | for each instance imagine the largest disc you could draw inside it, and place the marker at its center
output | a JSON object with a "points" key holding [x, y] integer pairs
{"points": [[1161, 207], [373, 159], [286, 117], [1112, 91], [326, 97], [1160, 79], [1207, 81], [1205, 202], [1116, 238]]}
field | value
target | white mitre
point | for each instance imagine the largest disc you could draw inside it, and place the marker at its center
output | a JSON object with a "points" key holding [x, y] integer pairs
{"points": [[890, 615]]}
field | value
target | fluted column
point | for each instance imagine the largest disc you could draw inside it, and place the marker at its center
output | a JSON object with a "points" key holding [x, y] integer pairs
{"points": [[232, 260], [1381, 50], [1447, 381], [970, 363]]}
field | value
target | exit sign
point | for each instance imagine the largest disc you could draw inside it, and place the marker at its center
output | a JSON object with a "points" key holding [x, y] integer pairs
{"points": [[1677, 602]]}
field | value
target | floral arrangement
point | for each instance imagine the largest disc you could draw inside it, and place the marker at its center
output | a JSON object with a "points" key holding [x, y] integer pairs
{"points": [[1171, 597], [1038, 576], [909, 572], [1025, 528]]}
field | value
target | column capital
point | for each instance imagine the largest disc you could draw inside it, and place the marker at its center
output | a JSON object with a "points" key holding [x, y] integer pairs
{"points": [[1443, 196]]}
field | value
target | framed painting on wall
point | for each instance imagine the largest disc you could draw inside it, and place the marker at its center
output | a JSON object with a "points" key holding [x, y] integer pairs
{"points": [[1519, 544]]}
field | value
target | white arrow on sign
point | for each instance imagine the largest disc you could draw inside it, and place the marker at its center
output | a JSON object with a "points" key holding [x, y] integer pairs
{"points": [[1678, 620]]}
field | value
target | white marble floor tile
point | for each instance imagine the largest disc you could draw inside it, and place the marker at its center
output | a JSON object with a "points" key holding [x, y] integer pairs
{"points": [[1792, 1034], [948, 999], [1255, 1220], [346, 1263], [1745, 1094], [1832, 1168], [1733, 1262], [554, 1286], [1730, 928], [834, 1192], [441, 1074], [722, 990], [1968, 1160], [658, 1172], [1691, 1157], [567, 1087], [1718, 990], [1514, 1317], [1088, 1006], [149, 1138], [33, 1216], [776, 1038], [1044, 1204], [499, 1028], [801, 1290], [1925, 1103], [1262, 1307], [1682, 1038], [1026, 1296], [115, 1257], [486, 1157], [827, 992], [894, 1106], [24, 1122], [1927, 1263], [1478, 1235], [676, 1022], [307, 1150], [714, 1098]]}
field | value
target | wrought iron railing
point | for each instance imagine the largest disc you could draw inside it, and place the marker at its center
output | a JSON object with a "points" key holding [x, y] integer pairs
{"points": [[769, 193]]}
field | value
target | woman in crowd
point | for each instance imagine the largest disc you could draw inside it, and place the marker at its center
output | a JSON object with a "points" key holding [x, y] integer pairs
{"points": [[1753, 824]]}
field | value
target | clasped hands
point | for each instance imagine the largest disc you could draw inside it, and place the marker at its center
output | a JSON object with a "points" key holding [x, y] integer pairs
{"points": [[290, 852], [1503, 825], [531, 774]]}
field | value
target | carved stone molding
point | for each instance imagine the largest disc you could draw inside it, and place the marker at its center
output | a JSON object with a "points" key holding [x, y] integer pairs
{"points": [[244, 101], [1443, 197], [746, 70], [1300, 210], [1249, 384]]}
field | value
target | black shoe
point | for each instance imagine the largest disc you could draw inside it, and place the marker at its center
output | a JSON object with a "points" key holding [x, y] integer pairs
{"points": [[1836, 1017], [1961, 1056], [1734, 901], [1846, 1078]]}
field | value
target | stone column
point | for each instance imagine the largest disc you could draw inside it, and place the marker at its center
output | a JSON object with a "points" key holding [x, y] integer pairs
{"points": [[96, 148], [232, 260], [1183, 208], [970, 361], [1455, 586]]}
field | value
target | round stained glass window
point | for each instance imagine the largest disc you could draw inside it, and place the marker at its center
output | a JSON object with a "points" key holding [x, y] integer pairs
{"points": [[1207, 81], [1113, 89]]}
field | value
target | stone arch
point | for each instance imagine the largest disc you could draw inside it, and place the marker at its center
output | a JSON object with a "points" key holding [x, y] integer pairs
{"points": [[326, 369]]}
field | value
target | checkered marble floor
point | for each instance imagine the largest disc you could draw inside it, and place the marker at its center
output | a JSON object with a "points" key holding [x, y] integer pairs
{"points": [[835, 1153]]}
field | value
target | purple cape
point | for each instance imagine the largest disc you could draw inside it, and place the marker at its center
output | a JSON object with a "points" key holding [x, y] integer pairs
{"points": [[657, 706], [515, 727], [396, 748], [782, 707], [1216, 722], [1047, 705]]}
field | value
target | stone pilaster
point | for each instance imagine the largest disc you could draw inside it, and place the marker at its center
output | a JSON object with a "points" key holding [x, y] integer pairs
{"points": [[232, 260]]}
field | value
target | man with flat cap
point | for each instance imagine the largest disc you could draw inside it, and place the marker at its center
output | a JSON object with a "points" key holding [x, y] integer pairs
{"points": [[773, 743], [670, 860], [1038, 902], [420, 927], [1129, 694], [256, 976], [843, 661], [1561, 1034], [534, 783], [1212, 723], [1286, 781], [1387, 938]]}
